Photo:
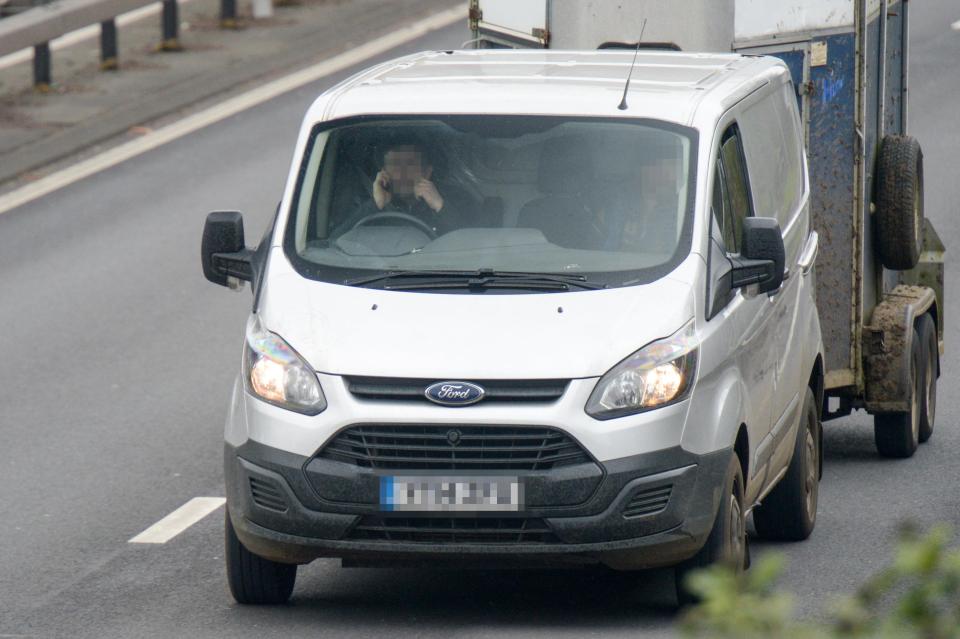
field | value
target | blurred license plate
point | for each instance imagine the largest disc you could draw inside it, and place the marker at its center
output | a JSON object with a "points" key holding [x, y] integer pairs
{"points": [[450, 494]]}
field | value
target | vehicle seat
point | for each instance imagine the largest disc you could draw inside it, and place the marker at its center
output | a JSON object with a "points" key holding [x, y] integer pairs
{"points": [[566, 174]]}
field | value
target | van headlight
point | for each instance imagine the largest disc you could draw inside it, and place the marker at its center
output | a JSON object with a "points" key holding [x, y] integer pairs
{"points": [[275, 373], [659, 374]]}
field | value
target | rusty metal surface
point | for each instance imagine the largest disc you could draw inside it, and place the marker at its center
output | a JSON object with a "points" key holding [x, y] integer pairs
{"points": [[887, 340], [832, 157]]}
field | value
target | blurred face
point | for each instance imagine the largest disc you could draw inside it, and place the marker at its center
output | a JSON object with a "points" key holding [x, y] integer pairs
{"points": [[405, 165], [658, 177]]}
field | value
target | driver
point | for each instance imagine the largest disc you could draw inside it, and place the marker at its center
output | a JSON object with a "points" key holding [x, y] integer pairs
{"points": [[405, 184]]}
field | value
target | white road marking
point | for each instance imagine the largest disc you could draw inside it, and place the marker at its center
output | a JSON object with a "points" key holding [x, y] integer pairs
{"points": [[955, 26], [86, 33], [227, 108], [179, 520]]}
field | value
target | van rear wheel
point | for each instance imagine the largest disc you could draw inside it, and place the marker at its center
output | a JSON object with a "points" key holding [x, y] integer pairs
{"points": [[789, 512], [727, 542], [253, 579], [898, 434]]}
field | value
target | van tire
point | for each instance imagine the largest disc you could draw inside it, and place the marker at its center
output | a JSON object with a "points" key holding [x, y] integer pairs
{"points": [[929, 342], [899, 202], [789, 512], [727, 542], [253, 579], [898, 434]]}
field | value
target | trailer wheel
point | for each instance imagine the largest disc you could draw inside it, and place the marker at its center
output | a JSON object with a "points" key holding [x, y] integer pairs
{"points": [[253, 579], [899, 202], [897, 434], [789, 512], [927, 331]]}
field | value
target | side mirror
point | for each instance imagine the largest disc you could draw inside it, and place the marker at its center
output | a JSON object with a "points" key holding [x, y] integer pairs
{"points": [[223, 253], [762, 255]]}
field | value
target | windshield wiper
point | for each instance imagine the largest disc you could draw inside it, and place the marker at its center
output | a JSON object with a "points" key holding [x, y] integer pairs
{"points": [[391, 275], [481, 278]]}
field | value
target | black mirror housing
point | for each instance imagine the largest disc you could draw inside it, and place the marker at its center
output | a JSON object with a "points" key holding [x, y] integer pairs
{"points": [[762, 255], [223, 252]]}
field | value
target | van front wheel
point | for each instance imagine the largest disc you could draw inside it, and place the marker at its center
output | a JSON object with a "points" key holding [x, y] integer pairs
{"points": [[727, 542], [253, 579], [789, 512]]}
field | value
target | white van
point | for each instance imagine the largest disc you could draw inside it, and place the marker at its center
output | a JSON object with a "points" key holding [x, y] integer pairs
{"points": [[514, 310]]}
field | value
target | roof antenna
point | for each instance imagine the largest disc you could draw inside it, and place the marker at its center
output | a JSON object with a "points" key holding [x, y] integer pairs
{"points": [[623, 102]]}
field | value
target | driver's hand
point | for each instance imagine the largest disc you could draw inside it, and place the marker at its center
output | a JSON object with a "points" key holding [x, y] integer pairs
{"points": [[427, 191], [381, 189]]}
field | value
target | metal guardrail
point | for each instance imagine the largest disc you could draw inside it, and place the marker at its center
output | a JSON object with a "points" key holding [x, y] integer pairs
{"points": [[36, 27]]}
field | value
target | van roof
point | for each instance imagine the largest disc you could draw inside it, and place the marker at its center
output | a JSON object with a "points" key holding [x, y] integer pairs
{"points": [[664, 85]]}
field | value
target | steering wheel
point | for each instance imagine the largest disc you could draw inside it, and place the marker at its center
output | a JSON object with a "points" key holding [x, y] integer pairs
{"points": [[397, 215]]}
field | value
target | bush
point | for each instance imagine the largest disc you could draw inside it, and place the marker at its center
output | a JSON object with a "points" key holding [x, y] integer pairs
{"points": [[916, 596]]}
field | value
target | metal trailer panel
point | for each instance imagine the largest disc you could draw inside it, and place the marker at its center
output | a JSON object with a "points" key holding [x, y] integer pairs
{"points": [[867, 267], [702, 25], [762, 19], [522, 22], [832, 153]]}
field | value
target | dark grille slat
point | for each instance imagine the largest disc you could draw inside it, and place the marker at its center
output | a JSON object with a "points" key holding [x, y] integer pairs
{"points": [[412, 434], [496, 390], [648, 502], [535, 450], [461, 460], [479, 447], [400, 529], [453, 530], [638, 512], [266, 495]]}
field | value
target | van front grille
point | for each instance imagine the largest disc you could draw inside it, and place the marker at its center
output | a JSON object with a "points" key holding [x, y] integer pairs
{"points": [[500, 390], [454, 447], [452, 530]]}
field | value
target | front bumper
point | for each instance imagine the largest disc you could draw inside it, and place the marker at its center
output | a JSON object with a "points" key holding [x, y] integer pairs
{"points": [[279, 514]]}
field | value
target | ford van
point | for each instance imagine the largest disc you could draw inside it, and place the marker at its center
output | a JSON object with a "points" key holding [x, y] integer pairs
{"points": [[516, 309]]}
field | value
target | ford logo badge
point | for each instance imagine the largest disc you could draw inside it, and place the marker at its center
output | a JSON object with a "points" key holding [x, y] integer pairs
{"points": [[454, 393]]}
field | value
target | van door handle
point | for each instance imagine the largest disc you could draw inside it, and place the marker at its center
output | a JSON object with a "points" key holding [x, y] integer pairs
{"points": [[809, 254]]}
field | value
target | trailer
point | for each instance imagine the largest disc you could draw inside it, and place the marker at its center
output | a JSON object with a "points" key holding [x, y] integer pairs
{"points": [[880, 266]]}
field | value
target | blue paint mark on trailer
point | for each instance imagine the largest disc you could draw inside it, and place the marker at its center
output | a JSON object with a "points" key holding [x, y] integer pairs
{"points": [[830, 88]]}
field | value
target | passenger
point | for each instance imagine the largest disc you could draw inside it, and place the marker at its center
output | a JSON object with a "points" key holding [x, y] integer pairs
{"points": [[406, 184], [643, 215]]}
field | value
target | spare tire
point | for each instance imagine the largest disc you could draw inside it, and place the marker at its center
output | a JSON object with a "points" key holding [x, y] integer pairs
{"points": [[898, 228]]}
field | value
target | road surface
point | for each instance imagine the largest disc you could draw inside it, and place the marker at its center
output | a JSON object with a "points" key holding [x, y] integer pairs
{"points": [[116, 362]]}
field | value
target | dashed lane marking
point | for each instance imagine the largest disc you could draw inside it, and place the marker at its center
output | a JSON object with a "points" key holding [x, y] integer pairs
{"points": [[227, 108], [955, 26], [179, 520]]}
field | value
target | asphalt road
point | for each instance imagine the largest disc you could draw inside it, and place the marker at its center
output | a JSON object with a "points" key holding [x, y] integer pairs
{"points": [[117, 360]]}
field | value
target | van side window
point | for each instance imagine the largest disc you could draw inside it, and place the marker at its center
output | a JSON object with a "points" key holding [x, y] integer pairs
{"points": [[735, 190], [730, 204], [773, 148]]}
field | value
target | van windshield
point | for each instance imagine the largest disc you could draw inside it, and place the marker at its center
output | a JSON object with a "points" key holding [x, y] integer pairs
{"points": [[604, 200]]}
